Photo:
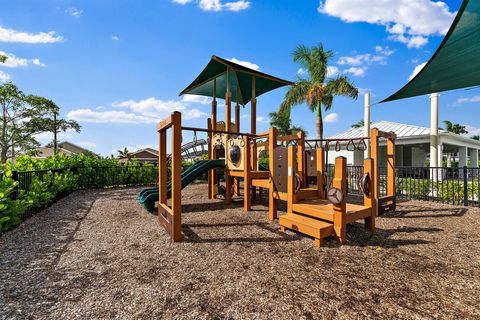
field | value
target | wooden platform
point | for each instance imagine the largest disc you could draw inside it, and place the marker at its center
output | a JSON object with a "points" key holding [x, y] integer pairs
{"points": [[312, 227], [323, 209]]}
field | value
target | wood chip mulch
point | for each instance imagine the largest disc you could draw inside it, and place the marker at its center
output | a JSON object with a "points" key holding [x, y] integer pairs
{"points": [[99, 255]]}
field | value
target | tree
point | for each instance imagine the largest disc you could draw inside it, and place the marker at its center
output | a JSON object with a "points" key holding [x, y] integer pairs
{"points": [[316, 90], [476, 138], [3, 58], [20, 120], [455, 128], [283, 123], [52, 123], [359, 124], [124, 153]]}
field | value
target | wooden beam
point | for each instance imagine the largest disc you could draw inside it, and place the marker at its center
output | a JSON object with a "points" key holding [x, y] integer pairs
{"points": [[176, 193], [291, 171], [368, 200], [228, 120], [301, 159], [339, 210], [376, 171], [320, 172], [246, 178], [390, 167], [272, 201]]}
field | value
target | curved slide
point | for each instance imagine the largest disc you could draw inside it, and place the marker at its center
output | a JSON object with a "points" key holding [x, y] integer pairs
{"points": [[149, 196]]}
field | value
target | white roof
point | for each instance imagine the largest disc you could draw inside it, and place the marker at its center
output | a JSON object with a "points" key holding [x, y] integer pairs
{"points": [[404, 131], [401, 130]]}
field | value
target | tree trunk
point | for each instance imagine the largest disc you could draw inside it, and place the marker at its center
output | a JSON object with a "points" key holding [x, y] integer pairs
{"points": [[54, 133], [319, 122], [4, 155]]}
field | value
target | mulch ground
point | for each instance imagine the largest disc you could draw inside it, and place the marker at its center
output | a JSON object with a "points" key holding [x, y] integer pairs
{"points": [[98, 254]]}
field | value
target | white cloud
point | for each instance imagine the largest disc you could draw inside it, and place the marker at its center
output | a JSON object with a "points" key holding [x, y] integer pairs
{"points": [[46, 137], [406, 21], [74, 12], [472, 131], [112, 116], [332, 71], [356, 71], [261, 119], [218, 5], [149, 110], [10, 35], [4, 77], [14, 62], [331, 117], [191, 98], [245, 63], [116, 38], [301, 71], [359, 63], [469, 100], [416, 70], [237, 5]]}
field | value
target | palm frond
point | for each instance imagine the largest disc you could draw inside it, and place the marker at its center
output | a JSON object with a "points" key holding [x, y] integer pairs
{"points": [[295, 95], [341, 86]]}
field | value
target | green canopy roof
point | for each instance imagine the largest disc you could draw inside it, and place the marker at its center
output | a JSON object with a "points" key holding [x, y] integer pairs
{"points": [[456, 63], [240, 77]]}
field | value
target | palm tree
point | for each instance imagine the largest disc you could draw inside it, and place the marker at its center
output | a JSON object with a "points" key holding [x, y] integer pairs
{"points": [[316, 90], [283, 123], [359, 124], [476, 138], [124, 153], [455, 128]]}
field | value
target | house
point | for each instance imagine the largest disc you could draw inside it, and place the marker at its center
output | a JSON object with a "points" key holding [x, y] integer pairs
{"points": [[412, 146], [64, 148], [147, 155]]}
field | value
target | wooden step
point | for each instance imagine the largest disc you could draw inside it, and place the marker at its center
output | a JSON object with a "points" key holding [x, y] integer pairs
{"points": [[323, 209], [312, 227]]}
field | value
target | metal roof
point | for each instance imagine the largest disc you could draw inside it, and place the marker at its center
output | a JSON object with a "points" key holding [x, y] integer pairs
{"points": [[401, 130]]}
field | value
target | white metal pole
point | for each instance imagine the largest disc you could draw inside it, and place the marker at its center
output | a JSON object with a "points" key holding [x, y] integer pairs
{"points": [[366, 125], [434, 133]]}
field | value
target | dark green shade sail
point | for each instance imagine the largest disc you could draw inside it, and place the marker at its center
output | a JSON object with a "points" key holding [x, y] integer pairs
{"points": [[240, 77], [456, 63]]}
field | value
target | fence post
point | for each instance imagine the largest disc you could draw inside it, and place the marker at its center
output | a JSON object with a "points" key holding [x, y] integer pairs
{"points": [[15, 178], [465, 186]]}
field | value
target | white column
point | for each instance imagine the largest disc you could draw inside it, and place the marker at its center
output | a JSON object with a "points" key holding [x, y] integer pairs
{"points": [[473, 157], [434, 130], [462, 156], [440, 172], [366, 126]]}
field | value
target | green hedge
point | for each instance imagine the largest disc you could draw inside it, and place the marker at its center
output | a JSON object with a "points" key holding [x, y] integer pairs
{"points": [[43, 181]]}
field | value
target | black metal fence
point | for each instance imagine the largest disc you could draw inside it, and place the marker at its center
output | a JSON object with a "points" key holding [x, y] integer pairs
{"points": [[457, 186]]}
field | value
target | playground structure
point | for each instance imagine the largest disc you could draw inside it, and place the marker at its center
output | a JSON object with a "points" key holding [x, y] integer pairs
{"points": [[316, 205]]}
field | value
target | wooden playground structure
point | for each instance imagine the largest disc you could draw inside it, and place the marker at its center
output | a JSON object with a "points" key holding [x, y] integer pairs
{"points": [[297, 171]]}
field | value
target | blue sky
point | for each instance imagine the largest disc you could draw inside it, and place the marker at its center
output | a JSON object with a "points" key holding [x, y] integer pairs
{"points": [[117, 66]]}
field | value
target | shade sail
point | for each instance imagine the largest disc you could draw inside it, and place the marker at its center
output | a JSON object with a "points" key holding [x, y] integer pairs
{"points": [[241, 78], [456, 63]]}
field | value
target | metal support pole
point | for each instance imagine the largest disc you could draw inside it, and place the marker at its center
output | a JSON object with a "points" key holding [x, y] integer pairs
{"points": [[366, 125]]}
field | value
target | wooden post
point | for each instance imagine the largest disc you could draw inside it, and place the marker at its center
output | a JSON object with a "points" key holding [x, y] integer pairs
{"points": [[390, 166], [253, 129], [301, 158], [213, 173], [339, 211], [246, 175], [176, 192], [368, 201], [291, 178], [228, 120], [162, 167], [320, 172], [272, 202], [210, 154], [376, 171]]}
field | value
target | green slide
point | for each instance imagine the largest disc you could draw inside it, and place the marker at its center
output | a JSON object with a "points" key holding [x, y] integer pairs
{"points": [[149, 196]]}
